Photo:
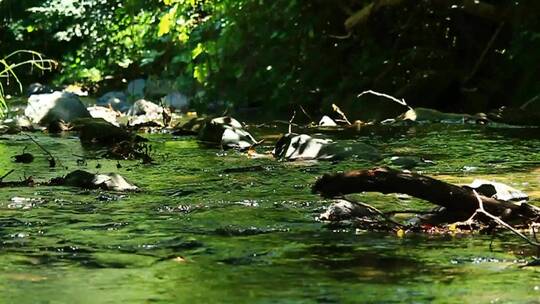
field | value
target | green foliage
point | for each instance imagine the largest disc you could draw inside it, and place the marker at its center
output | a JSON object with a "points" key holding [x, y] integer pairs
{"points": [[21, 58], [279, 53]]}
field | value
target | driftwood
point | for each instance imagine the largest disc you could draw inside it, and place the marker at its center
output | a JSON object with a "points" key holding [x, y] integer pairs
{"points": [[459, 202]]}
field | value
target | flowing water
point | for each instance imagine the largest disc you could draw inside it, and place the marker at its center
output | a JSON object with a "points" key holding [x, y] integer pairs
{"points": [[197, 234]]}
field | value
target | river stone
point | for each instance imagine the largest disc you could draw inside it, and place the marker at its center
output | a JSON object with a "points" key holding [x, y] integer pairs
{"points": [[109, 181], [58, 106], [497, 190], [145, 107], [327, 122], [292, 146], [144, 112], [226, 132], [105, 113], [38, 88], [341, 210], [115, 99]]}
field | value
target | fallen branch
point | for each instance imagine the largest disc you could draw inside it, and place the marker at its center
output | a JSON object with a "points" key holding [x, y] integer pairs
{"points": [[459, 201]]}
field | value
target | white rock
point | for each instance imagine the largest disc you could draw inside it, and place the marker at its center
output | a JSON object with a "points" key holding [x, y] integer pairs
{"points": [[498, 190], [113, 181], [327, 122], [45, 108], [105, 113]]}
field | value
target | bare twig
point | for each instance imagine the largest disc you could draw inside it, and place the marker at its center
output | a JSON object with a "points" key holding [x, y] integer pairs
{"points": [[341, 37], [400, 101], [338, 110], [306, 113], [5, 175], [501, 222], [484, 52], [291, 120], [52, 158]]}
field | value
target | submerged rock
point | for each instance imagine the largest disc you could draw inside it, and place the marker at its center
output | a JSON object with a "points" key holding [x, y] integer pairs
{"points": [[99, 131], [226, 132], [410, 162], [15, 125], [44, 109], [87, 180], [431, 115], [341, 210], [292, 146]]}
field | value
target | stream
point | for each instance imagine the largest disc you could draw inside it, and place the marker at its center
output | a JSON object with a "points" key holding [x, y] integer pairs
{"points": [[200, 233]]}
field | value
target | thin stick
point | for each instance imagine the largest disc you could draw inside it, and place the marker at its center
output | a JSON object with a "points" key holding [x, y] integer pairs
{"points": [[484, 52], [400, 101], [290, 121], [5, 175], [41, 147], [306, 113], [338, 110], [501, 222]]}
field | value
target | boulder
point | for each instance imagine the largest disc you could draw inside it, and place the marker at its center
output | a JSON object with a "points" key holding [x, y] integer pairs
{"points": [[105, 113], [38, 88], [226, 132], [145, 107], [341, 210], [497, 190], [293, 147], [44, 109], [147, 113]]}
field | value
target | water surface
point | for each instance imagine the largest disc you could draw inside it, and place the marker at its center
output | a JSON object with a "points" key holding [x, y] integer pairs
{"points": [[196, 234]]}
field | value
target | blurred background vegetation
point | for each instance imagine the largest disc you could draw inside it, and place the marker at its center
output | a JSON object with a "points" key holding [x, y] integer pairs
{"points": [[460, 56]]}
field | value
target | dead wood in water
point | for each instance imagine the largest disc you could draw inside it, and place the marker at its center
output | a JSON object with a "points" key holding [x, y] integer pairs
{"points": [[460, 201]]}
